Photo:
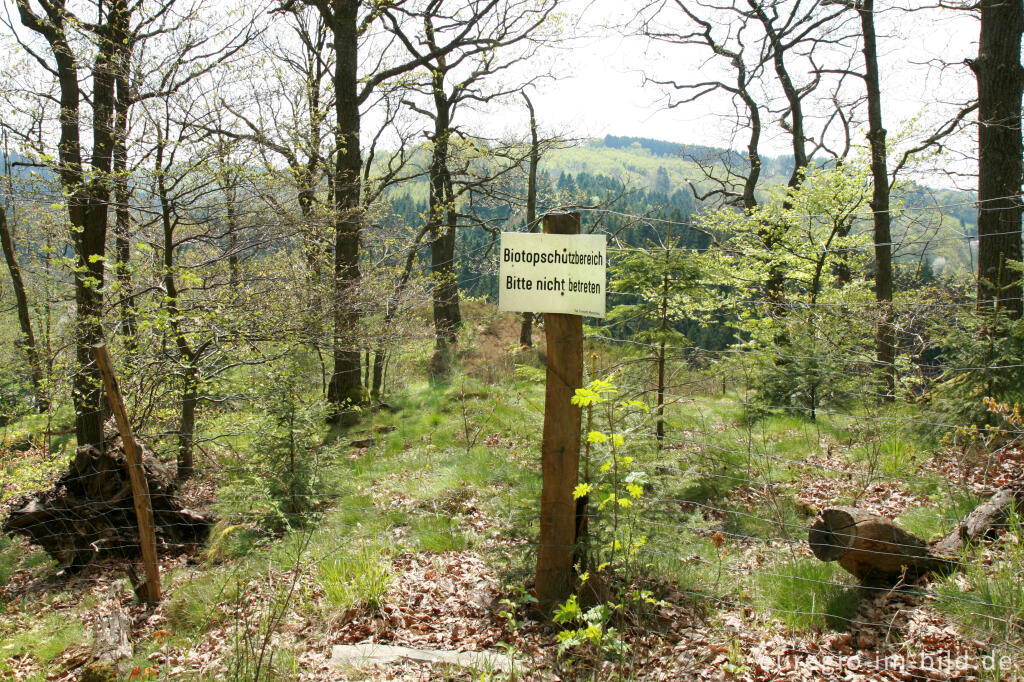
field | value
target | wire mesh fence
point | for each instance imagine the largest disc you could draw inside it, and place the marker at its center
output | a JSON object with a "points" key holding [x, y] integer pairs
{"points": [[419, 525]]}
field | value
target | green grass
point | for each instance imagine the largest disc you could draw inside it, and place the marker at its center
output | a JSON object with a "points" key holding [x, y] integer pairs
{"points": [[430, 464], [60, 420], [196, 602], [807, 594], [992, 605], [930, 522], [48, 636], [357, 579], [422, 451], [438, 534], [230, 541], [14, 557], [776, 519], [693, 564]]}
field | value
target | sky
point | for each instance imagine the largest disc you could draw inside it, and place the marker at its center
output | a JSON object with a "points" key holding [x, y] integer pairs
{"points": [[597, 73], [600, 90]]}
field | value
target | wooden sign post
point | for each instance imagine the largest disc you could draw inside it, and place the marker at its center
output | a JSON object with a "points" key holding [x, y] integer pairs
{"points": [[140, 486], [560, 450]]}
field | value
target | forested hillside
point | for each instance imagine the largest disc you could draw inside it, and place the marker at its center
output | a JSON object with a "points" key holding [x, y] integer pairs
{"points": [[268, 410]]}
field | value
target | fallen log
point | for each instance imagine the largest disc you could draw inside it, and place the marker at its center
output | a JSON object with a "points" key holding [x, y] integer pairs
{"points": [[983, 522], [89, 512], [877, 551], [110, 638]]}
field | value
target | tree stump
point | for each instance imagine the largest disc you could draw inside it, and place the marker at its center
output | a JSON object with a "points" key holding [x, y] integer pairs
{"points": [[89, 514]]}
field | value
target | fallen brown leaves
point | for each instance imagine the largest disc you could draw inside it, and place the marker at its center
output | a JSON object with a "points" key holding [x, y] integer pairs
{"points": [[451, 601]]}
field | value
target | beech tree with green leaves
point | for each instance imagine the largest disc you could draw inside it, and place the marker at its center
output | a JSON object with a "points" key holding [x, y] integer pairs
{"points": [[824, 317], [488, 40]]}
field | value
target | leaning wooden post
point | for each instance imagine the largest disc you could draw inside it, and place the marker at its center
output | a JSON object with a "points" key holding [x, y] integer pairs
{"points": [[560, 450], [140, 486]]}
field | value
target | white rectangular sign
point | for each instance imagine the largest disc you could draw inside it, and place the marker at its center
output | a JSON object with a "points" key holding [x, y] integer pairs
{"points": [[552, 273]]}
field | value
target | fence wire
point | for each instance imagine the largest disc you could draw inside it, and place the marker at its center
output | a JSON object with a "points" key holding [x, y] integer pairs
{"points": [[728, 490]]}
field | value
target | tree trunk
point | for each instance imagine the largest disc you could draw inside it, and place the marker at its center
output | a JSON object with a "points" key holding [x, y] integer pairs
{"points": [[794, 97], [871, 547], [229, 198], [123, 195], [877, 551], [346, 390], [187, 356], [87, 198], [24, 318], [885, 336], [377, 387], [380, 355], [123, 254], [775, 287], [526, 329], [441, 217], [187, 426], [660, 431], [1000, 85], [86, 388]]}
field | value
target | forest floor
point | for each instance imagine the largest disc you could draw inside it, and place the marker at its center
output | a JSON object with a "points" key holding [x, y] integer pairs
{"points": [[425, 530]]}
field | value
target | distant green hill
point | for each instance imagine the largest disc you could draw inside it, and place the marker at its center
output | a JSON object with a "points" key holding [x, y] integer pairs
{"points": [[639, 159], [653, 178]]}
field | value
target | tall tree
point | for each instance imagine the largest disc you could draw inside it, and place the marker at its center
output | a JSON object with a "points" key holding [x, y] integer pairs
{"points": [[759, 49], [885, 338], [349, 21], [124, 48], [86, 184], [88, 53], [736, 186], [196, 220], [1000, 87], [24, 317], [526, 327], [502, 35]]}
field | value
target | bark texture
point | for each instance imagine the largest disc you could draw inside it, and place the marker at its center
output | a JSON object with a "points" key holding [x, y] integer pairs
{"points": [[24, 317], [346, 389], [1000, 86], [560, 449], [885, 334]]}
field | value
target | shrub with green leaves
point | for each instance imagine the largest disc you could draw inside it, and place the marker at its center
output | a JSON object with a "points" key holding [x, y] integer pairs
{"points": [[785, 272], [280, 478], [590, 628], [612, 488], [611, 483]]}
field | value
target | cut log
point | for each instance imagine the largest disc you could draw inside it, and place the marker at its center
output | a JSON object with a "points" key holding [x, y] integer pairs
{"points": [[871, 547], [89, 514], [877, 551]]}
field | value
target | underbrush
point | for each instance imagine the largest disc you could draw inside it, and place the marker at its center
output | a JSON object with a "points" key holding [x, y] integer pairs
{"points": [[44, 640], [988, 600], [313, 516], [357, 578]]}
